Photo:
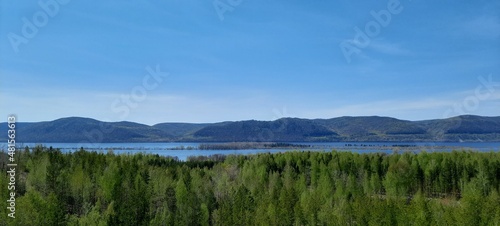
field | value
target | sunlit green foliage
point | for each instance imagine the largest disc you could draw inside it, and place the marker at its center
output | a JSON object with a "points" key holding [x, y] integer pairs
{"points": [[292, 188]]}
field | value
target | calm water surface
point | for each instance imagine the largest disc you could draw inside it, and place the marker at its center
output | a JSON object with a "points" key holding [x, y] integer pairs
{"points": [[190, 149]]}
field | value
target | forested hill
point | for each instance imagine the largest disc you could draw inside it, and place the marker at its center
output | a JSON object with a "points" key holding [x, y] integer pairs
{"points": [[370, 128]]}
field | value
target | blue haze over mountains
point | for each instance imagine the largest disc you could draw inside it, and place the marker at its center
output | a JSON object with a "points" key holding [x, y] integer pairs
{"points": [[369, 128]]}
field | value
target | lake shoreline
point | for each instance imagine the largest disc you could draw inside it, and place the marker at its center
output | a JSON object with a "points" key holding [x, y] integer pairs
{"points": [[184, 150]]}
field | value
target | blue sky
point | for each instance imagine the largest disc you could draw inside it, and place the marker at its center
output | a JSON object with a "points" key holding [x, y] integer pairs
{"points": [[260, 60]]}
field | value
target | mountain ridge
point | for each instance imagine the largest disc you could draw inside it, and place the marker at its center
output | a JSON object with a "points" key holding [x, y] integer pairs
{"points": [[346, 128]]}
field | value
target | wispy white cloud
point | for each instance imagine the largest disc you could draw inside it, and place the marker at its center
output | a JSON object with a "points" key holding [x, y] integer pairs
{"points": [[486, 26], [291, 54], [151, 109], [459, 103], [155, 108], [388, 48], [394, 108]]}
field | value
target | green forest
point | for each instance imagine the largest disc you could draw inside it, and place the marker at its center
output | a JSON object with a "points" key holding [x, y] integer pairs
{"points": [[291, 188]]}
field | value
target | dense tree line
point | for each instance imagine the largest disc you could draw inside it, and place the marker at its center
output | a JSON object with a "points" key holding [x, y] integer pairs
{"points": [[292, 188]]}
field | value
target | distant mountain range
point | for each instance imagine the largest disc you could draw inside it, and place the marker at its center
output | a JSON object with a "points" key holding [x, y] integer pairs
{"points": [[371, 128]]}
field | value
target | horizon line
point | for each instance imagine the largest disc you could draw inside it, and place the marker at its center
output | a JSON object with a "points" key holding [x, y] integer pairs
{"points": [[345, 116]]}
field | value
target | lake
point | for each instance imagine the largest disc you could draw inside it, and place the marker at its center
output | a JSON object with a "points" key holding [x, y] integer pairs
{"points": [[183, 150]]}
